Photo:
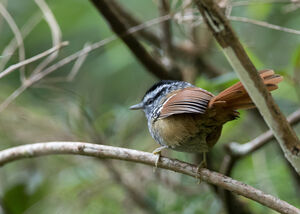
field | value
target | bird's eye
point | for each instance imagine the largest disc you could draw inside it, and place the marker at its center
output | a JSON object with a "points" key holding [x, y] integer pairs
{"points": [[150, 101]]}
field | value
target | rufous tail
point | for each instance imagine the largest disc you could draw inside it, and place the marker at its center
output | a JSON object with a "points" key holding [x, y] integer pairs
{"points": [[236, 96]]}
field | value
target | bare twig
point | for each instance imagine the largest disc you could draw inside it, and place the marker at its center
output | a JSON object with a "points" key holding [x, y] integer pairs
{"points": [[37, 77], [291, 7], [144, 33], [78, 63], [71, 58], [32, 59], [235, 53], [101, 151], [166, 39], [117, 25], [55, 32], [13, 44], [134, 193], [164, 8], [264, 24], [246, 3], [239, 150], [12, 97], [17, 35]]}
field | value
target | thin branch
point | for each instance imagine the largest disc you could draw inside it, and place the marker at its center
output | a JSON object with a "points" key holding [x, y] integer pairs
{"points": [[166, 39], [264, 24], [32, 59], [55, 32], [153, 65], [291, 7], [78, 63], [101, 151], [164, 9], [239, 150], [246, 3], [144, 33], [236, 55], [12, 97], [13, 44], [18, 37], [70, 58], [37, 77], [136, 195]]}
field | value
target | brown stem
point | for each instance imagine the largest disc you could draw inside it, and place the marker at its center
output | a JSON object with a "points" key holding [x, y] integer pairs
{"points": [[120, 28]]}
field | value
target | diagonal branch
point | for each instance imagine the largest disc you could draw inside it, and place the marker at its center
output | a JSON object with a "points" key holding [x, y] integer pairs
{"points": [[164, 9], [146, 34], [101, 151], [246, 3], [18, 37], [13, 44], [264, 24], [118, 26], [32, 59], [239, 150], [235, 53], [55, 33]]}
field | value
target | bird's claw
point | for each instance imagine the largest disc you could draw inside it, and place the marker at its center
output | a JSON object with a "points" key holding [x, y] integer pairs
{"points": [[202, 165], [157, 152]]}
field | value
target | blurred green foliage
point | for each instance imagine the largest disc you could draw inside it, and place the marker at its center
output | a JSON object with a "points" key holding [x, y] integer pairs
{"points": [[94, 108]]}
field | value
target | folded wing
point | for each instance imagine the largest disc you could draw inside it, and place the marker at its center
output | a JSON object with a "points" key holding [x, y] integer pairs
{"points": [[188, 100]]}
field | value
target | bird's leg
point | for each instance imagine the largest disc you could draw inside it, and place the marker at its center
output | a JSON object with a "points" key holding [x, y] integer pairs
{"points": [[157, 152], [202, 164]]}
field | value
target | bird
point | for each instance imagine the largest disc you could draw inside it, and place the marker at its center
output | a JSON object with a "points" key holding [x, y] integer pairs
{"points": [[187, 118]]}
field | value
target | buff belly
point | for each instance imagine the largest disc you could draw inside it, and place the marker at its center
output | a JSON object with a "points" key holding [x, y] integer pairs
{"points": [[184, 132]]}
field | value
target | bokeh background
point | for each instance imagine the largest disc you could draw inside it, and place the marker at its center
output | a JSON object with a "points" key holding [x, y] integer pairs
{"points": [[94, 108]]}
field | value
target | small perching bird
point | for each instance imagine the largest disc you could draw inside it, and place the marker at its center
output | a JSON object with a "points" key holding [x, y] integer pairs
{"points": [[186, 118]]}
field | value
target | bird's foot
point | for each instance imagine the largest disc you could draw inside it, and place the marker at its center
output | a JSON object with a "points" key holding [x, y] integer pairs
{"points": [[203, 164], [157, 152]]}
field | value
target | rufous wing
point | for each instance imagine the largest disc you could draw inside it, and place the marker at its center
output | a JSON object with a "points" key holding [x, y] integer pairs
{"points": [[187, 100]]}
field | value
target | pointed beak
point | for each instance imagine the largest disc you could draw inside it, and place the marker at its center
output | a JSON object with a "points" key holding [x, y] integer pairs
{"points": [[137, 106]]}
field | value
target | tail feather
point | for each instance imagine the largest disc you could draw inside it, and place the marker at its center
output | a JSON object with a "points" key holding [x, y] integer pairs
{"points": [[236, 96]]}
